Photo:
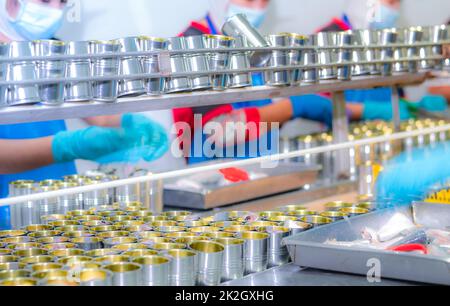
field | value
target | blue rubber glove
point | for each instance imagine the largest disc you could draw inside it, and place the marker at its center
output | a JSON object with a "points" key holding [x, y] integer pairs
{"points": [[409, 176], [139, 137], [383, 111], [313, 107]]}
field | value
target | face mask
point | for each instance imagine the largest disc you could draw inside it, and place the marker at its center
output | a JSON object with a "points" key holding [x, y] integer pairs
{"points": [[387, 18], [255, 17], [35, 21]]}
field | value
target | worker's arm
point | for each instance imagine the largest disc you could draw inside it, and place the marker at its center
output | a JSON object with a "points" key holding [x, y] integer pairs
{"points": [[23, 155], [441, 91]]}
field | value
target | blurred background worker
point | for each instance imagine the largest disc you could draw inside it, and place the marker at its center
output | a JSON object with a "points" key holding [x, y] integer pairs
{"points": [[45, 150]]}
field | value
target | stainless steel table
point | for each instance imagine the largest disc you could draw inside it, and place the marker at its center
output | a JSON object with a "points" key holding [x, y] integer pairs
{"points": [[291, 275]]}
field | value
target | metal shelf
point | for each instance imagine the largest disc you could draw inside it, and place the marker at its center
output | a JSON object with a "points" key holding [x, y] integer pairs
{"points": [[36, 113]]}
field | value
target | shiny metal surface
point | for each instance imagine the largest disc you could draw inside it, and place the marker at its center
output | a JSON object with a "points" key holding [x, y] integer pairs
{"points": [[155, 270], [198, 62], [125, 274], [183, 267], [17, 71], [178, 63], [209, 262], [291, 275], [295, 57], [130, 66], [105, 91], [141, 104], [95, 277], [154, 86], [240, 60], [278, 252], [345, 56], [278, 59], [255, 251], [3, 71], [325, 39], [219, 60]]}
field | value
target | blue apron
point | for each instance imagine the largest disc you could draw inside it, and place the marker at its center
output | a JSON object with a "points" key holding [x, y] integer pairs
{"points": [[31, 131]]}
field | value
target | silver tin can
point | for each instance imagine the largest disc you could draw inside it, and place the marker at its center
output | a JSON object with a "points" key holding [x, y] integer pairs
{"points": [[255, 251], [295, 57], [130, 65], [198, 62], [22, 71], [125, 274], [326, 57], [310, 57], [107, 66], [387, 38], [178, 64], [3, 72], [239, 61], [154, 86], [219, 60], [87, 243], [183, 267], [233, 258], [155, 270], [279, 59], [278, 252], [345, 56], [360, 55], [78, 68], [95, 278], [51, 94], [210, 262]]}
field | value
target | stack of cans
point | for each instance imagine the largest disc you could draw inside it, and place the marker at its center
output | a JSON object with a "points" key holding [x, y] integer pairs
{"points": [[126, 245]]}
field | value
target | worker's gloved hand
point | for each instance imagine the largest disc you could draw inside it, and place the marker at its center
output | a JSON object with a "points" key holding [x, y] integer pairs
{"points": [[234, 128], [383, 111], [313, 107], [137, 132], [431, 103]]}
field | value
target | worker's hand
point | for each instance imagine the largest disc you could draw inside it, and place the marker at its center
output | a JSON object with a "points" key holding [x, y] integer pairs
{"points": [[138, 138], [234, 128], [313, 107], [384, 111]]}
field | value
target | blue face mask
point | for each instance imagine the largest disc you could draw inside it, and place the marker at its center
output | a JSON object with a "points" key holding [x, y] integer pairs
{"points": [[255, 17], [387, 18], [35, 21]]}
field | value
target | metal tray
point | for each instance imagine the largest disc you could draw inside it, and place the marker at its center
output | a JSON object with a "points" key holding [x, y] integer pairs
{"points": [[308, 249], [285, 177]]}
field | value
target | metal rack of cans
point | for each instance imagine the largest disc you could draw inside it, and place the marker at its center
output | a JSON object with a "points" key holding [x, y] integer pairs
{"points": [[72, 74], [127, 245]]}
